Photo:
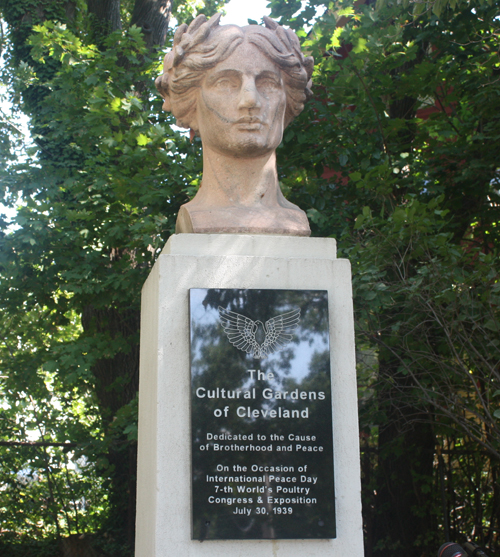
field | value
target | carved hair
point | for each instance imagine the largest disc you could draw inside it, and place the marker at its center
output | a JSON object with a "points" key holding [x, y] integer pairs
{"points": [[204, 44]]}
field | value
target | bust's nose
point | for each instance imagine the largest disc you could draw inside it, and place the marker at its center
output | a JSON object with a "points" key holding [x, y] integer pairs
{"points": [[249, 94]]}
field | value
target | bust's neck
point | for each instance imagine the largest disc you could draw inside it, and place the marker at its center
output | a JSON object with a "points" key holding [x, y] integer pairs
{"points": [[235, 181], [241, 196]]}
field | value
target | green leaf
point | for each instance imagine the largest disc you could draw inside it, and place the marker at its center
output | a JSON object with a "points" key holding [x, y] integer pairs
{"points": [[360, 45], [143, 139]]}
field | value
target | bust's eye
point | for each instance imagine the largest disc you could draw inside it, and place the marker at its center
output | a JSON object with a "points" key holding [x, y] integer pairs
{"points": [[226, 83], [268, 84]]}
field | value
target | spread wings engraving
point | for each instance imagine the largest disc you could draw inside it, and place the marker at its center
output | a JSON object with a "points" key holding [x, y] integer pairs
{"points": [[244, 333]]}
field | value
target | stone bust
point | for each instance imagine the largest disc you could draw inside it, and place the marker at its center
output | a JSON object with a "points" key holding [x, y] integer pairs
{"points": [[237, 88]]}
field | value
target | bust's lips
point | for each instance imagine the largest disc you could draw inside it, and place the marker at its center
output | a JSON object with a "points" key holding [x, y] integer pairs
{"points": [[249, 123]]}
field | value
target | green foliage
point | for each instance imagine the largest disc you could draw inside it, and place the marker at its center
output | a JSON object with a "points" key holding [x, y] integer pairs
{"points": [[44, 491], [435, 7], [109, 191], [185, 12], [396, 157], [97, 196]]}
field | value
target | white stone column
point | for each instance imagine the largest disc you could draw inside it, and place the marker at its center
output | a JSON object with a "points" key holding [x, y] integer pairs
{"points": [[164, 461]]}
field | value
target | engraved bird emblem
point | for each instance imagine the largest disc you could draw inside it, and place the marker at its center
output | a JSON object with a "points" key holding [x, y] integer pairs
{"points": [[256, 338]]}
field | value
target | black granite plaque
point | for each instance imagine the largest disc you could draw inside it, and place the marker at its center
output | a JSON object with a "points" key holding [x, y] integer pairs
{"points": [[261, 416]]}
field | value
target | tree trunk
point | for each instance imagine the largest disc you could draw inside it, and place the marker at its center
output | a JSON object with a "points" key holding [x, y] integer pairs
{"points": [[153, 17], [117, 383], [403, 518], [117, 378], [106, 14]]}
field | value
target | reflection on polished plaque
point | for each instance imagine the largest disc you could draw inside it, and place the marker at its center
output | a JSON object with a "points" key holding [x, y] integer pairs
{"points": [[261, 416]]}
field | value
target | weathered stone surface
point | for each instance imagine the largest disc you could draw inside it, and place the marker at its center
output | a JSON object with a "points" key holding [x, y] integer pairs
{"points": [[237, 88]]}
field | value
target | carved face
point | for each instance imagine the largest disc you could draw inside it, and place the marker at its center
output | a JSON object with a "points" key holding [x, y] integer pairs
{"points": [[241, 105]]}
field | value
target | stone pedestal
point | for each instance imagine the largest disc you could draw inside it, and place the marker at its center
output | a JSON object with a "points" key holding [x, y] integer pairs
{"points": [[164, 461]]}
